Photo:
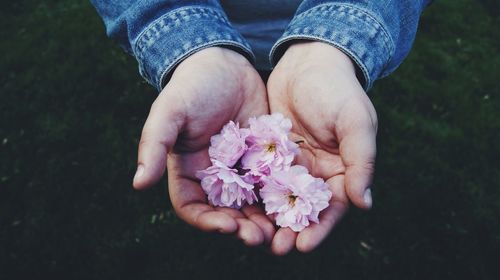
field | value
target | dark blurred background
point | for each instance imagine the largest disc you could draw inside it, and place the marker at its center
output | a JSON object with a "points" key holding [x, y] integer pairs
{"points": [[72, 106]]}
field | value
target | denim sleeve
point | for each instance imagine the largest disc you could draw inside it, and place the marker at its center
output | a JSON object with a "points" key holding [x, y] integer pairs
{"points": [[377, 35], [160, 34]]}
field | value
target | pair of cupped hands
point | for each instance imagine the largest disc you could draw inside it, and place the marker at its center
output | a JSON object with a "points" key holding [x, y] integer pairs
{"points": [[314, 84]]}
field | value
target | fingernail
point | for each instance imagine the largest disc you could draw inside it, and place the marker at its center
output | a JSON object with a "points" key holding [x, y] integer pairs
{"points": [[367, 197], [139, 172]]}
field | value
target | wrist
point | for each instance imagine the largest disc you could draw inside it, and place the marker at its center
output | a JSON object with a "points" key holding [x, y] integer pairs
{"points": [[307, 54], [216, 55]]}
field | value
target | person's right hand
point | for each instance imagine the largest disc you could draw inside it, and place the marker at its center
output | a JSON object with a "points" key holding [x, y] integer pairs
{"points": [[206, 91]]}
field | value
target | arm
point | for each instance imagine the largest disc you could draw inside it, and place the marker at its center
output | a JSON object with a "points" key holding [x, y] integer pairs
{"points": [[329, 55], [178, 45], [161, 34]]}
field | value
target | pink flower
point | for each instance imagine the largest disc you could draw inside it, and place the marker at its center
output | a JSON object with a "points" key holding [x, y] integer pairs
{"points": [[269, 146], [228, 146], [225, 187], [294, 197]]}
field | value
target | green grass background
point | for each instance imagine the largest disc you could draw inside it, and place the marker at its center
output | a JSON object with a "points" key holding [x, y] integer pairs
{"points": [[72, 107]]}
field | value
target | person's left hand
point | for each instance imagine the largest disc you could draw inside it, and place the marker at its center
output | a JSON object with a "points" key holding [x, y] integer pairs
{"points": [[315, 85]]}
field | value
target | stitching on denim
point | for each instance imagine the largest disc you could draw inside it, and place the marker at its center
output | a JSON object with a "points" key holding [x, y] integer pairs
{"points": [[151, 34], [176, 60], [351, 9], [160, 28], [171, 19]]}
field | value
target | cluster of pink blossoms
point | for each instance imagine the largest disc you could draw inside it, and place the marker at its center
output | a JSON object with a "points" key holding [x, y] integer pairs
{"points": [[256, 162]]}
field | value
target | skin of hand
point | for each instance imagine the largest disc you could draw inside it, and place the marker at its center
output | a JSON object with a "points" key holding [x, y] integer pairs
{"points": [[315, 85], [206, 91]]}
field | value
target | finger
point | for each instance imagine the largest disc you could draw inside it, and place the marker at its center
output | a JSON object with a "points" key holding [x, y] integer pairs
{"points": [[249, 232], [283, 241], [358, 150], [208, 220], [309, 238], [258, 216], [231, 212], [189, 201], [158, 137]]}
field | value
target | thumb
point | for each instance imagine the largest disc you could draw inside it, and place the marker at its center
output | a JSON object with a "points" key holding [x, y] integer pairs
{"points": [[358, 150], [159, 135]]}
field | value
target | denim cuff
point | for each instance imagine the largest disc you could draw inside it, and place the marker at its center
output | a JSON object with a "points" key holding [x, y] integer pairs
{"points": [[351, 29], [178, 34]]}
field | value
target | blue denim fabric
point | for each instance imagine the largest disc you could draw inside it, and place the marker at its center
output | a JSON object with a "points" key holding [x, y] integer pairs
{"points": [[376, 34], [160, 34]]}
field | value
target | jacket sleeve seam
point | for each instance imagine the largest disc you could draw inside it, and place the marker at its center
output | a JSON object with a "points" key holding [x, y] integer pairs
{"points": [[175, 17], [328, 7], [336, 12]]}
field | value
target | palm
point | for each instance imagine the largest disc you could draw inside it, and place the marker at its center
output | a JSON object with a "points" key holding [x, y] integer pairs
{"points": [[328, 108], [205, 92]]}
